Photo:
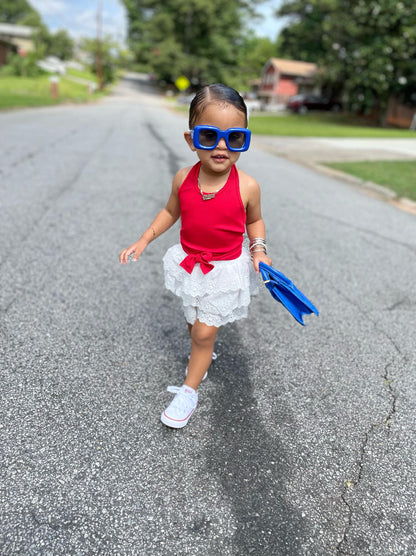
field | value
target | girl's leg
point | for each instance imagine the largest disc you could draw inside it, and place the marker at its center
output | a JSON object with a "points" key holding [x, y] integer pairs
{"points": [[202, 346]]}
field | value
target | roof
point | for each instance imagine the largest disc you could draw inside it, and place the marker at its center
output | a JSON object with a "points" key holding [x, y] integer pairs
{"points": [[11, 30], [293, 67]]}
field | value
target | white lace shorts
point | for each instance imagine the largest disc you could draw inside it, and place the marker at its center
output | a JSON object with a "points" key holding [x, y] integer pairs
{"points": [[216, 298]]}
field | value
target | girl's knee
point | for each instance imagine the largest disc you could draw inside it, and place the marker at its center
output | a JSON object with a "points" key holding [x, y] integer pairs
{"points": [[203, 334]]}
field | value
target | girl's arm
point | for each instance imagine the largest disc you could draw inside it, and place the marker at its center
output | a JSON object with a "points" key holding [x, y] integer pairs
{"points": [[254, 222], [164, 220]]}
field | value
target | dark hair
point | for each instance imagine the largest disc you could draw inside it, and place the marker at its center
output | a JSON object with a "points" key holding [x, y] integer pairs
{"points": [[210, 93]]}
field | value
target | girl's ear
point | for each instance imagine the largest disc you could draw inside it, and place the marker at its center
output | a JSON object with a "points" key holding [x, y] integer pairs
{"points": [[189, 140]]}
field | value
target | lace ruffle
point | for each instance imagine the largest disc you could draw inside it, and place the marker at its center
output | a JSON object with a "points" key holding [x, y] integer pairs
{"points": [[216, 298]]}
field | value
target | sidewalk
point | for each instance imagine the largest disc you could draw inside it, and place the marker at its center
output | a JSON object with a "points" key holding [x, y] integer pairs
{"points": [[334, 149], [316, 151]]}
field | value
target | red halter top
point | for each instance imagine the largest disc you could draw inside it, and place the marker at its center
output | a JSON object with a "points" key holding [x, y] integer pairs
{"points": [[211, 230]]}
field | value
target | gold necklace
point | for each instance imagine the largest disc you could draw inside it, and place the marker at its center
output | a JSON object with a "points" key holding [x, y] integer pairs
{"points": [[206, 196]]}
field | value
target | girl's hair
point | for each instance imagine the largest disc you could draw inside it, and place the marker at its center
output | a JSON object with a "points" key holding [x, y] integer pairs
{"points": [[212, 93]]}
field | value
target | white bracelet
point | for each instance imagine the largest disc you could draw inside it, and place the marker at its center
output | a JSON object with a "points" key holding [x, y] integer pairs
{"points": [[257, 242]]}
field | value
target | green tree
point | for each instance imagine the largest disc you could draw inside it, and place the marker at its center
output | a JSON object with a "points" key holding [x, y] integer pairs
{"points": [[302, 39], [109, 55], [199, 39], [19, 12], [254, 53], [60, 44], [368, 46]]}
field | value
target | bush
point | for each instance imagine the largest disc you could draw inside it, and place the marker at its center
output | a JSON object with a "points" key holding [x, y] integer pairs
{"points": [[22, 66]]}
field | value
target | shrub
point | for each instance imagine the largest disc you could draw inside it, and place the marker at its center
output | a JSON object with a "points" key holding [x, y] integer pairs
{"points": [[23, 66]]}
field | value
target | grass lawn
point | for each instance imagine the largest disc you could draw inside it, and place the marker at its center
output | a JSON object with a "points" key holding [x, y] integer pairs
{"points": [[35, 91], [400, 176], [321, 125], [84, 74]]}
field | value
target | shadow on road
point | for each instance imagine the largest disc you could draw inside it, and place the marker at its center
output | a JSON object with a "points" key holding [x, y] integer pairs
{"points": [[252, 465]]}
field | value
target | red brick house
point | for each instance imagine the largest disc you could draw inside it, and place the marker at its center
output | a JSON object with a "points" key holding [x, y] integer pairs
{"points": [[282, 79]]}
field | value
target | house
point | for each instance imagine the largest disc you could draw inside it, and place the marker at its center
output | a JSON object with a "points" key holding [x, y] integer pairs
{"points": [[15, 38], [282, 79]]}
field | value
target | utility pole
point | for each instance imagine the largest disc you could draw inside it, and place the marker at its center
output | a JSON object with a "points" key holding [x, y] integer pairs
{"points": [[99, 57]]}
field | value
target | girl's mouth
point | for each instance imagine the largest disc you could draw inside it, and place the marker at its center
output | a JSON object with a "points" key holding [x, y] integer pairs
{"points": [[219, 157]]}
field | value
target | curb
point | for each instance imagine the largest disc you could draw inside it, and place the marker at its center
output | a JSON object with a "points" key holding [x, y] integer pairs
{"points": [[381, 191]]}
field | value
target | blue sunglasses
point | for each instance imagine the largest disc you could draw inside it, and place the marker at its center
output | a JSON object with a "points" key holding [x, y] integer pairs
{"points": [[207, 137]]}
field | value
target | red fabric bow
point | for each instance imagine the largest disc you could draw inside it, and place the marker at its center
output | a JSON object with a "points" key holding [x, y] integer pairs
{"points": [[203, 259]]}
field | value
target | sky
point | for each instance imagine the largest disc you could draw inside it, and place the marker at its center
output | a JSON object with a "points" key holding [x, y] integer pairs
{"points": [[79, 17], [269, 26]]}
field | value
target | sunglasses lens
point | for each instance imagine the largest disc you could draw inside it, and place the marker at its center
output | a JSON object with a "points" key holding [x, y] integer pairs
{"points": [[236, 139], [208, 137]]}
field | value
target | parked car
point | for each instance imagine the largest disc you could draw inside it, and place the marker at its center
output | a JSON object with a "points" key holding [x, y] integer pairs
{"points": [[300, 104]]}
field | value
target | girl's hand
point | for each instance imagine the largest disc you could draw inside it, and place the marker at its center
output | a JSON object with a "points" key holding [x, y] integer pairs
{"points": [[259, 256], [136, 249]]}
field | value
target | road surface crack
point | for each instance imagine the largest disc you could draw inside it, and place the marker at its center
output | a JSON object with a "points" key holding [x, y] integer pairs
{"points": [[392, 395], [52, 199], [350, 484]]}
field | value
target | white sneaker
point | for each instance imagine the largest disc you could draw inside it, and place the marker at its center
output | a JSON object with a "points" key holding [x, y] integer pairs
{"points": [[214, 356], [180, 409]]}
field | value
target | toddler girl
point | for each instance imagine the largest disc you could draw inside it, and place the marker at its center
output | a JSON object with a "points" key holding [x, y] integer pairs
{"points": [[210, 270]]}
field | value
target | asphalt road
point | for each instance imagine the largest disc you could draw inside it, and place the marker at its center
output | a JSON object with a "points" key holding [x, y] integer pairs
{"points": [[303, 442]]}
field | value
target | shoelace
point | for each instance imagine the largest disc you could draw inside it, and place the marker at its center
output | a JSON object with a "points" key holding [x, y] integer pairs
{"points": [[183, 399]]}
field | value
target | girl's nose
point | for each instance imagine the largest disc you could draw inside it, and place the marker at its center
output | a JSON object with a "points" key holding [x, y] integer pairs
{"points": [[222, 144]]}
